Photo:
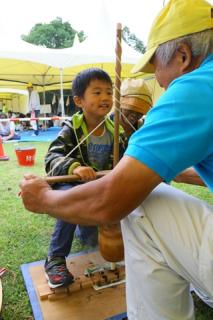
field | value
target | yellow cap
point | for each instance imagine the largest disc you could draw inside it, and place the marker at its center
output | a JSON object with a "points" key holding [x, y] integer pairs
{"points": [[29, 85], [177, 19], [135, 96]]}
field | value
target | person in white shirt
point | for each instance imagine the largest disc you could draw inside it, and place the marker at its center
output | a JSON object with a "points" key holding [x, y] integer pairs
{"points": [[7, 129], [34, 106]]}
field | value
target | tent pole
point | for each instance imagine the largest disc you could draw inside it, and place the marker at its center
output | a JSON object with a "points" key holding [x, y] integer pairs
{"points": [[62, 93], [44, 96], [44, 100]]}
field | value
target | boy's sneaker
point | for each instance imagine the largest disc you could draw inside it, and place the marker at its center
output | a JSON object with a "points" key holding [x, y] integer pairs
{"points": [[57, 273]]}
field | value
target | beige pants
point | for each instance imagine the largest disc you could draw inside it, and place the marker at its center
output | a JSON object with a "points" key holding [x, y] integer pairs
{"points": [[168, 247]]}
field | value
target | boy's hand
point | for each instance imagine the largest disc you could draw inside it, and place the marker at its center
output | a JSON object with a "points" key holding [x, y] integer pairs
{"points": [[85, 173]]}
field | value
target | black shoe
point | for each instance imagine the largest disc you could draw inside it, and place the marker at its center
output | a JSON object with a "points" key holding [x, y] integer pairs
{"points": [[57, 273]]}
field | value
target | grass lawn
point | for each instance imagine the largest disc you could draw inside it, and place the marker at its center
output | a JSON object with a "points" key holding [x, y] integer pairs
{"points": [[25, 237]]}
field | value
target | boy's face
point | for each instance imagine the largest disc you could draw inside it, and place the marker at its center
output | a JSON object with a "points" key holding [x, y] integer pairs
{"points": [[97, 100]]}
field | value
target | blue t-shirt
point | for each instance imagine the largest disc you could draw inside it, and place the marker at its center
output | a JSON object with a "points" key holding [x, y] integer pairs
{"points": [[99, 150], [178, 131]]}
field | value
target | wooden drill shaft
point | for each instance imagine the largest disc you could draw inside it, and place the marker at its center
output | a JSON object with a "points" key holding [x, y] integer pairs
{"points": [[71, 178]]}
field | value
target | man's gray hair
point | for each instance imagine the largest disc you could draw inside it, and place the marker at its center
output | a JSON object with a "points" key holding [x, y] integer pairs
{"points": [[201, 44]]}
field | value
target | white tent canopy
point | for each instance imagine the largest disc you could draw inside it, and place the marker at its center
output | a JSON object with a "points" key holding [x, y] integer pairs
{"points": [[21, 62], [99, 50], [14, 99]]}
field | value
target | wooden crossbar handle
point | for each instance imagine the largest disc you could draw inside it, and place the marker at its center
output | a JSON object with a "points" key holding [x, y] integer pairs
{"points": [[71, 178]]}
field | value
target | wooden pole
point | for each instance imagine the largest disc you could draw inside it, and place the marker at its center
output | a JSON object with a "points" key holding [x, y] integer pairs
{"points": [[118, 52], [62, 92], [110, 236]]}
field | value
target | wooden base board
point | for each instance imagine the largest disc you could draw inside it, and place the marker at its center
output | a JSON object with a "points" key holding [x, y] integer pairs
{"points": [[85, 304]]}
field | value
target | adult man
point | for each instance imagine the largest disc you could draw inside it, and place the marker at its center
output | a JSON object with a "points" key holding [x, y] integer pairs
{"points": [[168, 238], [136, 100], [33, 106]]}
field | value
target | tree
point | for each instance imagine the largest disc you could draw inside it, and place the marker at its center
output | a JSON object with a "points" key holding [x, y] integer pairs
{"points": [[132, 40], [56, 34]]}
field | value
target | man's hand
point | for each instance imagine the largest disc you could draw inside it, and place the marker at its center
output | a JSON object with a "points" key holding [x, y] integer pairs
{"points": [[85, 173], [34, 191]]}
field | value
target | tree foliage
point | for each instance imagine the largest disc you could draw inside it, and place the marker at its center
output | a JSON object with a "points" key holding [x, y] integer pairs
{"points": [[132, 40], [56, 34]]}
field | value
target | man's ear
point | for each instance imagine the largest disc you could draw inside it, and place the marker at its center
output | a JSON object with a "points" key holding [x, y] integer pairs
{"points": [[77, 101], [185, 57]]}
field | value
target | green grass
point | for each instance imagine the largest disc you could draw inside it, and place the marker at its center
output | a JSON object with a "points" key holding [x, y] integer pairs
{"points": [[25, 236]]}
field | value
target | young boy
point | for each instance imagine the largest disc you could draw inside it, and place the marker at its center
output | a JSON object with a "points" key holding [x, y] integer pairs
{"points": [[92, 92]]}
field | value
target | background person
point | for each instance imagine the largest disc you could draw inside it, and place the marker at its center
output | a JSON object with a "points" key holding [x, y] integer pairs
{"points": [[34, 106], [10, 114], [7, 129], [168, 235], [136, 100], [4, 108]]}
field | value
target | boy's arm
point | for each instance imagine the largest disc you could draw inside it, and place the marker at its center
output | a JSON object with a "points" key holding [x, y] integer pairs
{"points": [[190, 176]]}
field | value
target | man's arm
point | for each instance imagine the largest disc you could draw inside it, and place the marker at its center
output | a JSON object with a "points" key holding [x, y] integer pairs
{"points": [[106, 200], [190, 176]]}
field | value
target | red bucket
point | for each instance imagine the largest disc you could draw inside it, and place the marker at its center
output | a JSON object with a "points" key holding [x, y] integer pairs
{"points": [[26, 156]]}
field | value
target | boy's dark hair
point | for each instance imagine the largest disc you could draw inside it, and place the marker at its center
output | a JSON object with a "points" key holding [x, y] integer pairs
{"points": [[83, 79]]}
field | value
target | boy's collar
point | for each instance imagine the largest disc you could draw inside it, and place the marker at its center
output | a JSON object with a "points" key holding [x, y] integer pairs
{"points": [[78, 119]]}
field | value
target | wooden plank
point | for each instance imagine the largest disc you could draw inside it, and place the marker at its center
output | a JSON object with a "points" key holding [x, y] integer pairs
{"points": [[85, 304]]}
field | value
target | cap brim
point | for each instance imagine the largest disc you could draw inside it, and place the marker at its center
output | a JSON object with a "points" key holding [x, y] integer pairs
{"points": [[144, 64]]}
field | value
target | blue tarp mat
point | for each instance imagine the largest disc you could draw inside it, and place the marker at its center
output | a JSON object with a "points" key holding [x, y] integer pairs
{"points": [[48, 135]]}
